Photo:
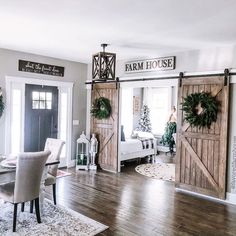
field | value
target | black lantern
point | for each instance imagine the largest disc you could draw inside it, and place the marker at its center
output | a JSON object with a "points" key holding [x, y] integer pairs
{"points": [[104, 64]]}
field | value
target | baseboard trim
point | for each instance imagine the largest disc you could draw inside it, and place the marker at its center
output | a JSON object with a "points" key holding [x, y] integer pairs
{"points": [[230, 197], [71, 163]]}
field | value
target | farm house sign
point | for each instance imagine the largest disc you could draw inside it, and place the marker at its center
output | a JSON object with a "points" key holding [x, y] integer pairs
{"points": [[157, 64]]}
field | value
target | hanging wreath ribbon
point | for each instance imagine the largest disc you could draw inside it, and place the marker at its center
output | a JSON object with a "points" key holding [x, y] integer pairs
{"points": [[200, 109], [2, 106], [101, 108]]}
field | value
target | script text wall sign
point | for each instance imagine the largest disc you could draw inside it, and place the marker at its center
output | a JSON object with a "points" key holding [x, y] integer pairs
{"points": [[35, 67], [157, 64]]}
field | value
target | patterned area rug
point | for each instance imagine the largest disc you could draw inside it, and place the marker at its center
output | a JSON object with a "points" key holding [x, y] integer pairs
{"points": [[157, 171], [61, 173], [56, 221]]}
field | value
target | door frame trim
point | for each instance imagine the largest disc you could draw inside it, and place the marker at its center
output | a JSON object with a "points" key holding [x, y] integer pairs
{"points": [[21, 81]]}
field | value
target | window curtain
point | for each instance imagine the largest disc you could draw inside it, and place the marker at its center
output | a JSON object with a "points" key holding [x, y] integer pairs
{"points": [[147, 97], [158, 101], [127, 111], [148, 100]]}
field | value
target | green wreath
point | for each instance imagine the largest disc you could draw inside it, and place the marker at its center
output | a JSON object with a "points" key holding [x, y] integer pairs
{"points": [[101, 108], [200, 109], [2, 106]]}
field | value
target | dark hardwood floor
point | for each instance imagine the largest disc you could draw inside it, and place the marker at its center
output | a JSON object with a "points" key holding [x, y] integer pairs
{"points": [[131, 204]]}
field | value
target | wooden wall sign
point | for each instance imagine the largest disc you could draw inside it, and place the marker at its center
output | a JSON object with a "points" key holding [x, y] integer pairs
{"points": [[157, 64], [136, 105], [35, 67]]}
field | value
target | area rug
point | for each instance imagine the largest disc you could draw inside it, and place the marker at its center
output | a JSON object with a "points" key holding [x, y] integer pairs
{"points": [[61, 173], [162, 171], [56, 221]]}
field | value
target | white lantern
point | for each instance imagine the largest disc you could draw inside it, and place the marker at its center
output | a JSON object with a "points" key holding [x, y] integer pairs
{"points": [[82, 153]]}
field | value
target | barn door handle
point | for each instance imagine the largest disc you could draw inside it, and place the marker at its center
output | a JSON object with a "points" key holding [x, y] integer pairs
{"points": [[226, 72], [181, 75], [117, 82]]}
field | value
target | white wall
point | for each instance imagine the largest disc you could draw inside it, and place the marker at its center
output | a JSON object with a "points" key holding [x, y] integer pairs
{"points": [[74, 72], [192, 61], [231, 175]]}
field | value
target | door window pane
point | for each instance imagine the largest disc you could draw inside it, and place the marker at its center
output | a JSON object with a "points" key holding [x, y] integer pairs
{"points": [[42, 105], [41, 100], [35, 95], [49, 96], [42, 96], [35, 104], [49, 105]]}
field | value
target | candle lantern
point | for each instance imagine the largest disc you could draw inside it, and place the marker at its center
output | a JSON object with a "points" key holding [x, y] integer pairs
{"points": [[82, 153], [93, 152]]}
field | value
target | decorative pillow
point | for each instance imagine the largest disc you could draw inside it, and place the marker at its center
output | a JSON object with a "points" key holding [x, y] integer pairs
{"points": [[122, 136], [142, 134], [134, 135]]}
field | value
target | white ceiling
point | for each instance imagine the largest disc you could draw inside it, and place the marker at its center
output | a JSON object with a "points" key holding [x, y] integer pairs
{"points": [[74, 29]]}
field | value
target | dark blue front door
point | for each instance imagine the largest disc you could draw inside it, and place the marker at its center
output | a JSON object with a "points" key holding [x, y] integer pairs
{"points": [[41, 116]]}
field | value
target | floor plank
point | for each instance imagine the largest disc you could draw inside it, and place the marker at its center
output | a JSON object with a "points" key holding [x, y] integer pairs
{"points": [[131, 204]]}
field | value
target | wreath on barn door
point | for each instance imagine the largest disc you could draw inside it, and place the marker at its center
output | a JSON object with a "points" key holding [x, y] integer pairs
{"points": [[2, 106], [200, 109], [101, 108]]}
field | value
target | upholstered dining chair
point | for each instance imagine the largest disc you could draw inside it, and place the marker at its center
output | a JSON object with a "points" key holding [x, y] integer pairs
{"points": [[29, 171], [55, 147]]}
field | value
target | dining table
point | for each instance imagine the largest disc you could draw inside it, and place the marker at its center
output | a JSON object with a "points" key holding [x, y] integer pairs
{"points": [[7, 174]]}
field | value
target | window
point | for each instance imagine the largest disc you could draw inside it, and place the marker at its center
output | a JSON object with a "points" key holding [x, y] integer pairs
{"points": [[41, 100], [127, 110], [16, 121], [63, 121], [159, 102]]}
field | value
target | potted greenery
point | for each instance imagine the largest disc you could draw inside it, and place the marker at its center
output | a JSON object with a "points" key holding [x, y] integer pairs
{"points": [[1, 103]]}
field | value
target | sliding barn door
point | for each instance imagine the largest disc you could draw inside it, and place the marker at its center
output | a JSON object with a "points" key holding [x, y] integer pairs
{"points": [[202, 152], [106, 130]]}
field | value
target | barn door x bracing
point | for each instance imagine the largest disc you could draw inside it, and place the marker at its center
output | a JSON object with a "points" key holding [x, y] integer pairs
{"points": [[202, 152], [106, 130]]}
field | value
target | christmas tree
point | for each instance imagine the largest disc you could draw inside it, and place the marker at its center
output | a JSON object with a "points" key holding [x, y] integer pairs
{"points": [[144, 123], [167, 138]]}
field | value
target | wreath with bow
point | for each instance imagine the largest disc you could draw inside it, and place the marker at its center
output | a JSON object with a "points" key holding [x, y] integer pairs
{"points": [[101, 108], [2, 106], [200, 109]]}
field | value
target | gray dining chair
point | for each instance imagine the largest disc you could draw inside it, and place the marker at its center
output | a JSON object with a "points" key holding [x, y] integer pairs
{"points": [[55, 147], [29, 171]]}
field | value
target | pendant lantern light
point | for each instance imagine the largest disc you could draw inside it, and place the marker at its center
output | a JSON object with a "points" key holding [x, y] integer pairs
{"points": [[103, 65]]}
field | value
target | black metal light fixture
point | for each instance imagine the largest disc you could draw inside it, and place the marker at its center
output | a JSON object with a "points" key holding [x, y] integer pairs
{"points": [[103, 65]]}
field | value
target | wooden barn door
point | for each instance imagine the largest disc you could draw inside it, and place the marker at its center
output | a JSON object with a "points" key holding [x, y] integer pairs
{"points": [[202, 152], [106, 130]]}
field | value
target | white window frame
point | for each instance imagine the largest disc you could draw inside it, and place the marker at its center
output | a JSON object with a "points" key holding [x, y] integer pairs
{"points": [[20, 82], [141, 84], [170, 99]]}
